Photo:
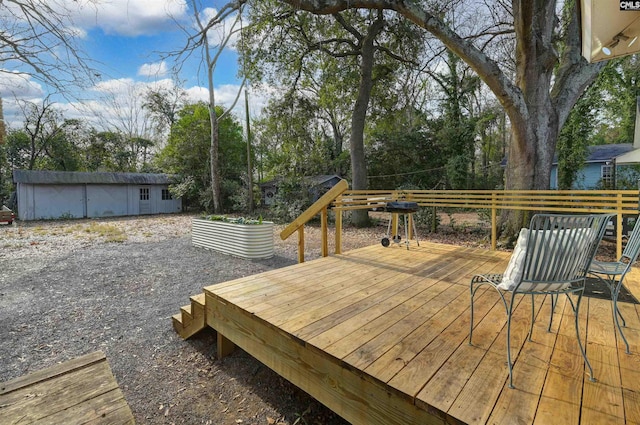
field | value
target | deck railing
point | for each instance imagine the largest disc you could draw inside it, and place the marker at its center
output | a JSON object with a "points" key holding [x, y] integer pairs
{"points": [[619, 202], [320, 206]]}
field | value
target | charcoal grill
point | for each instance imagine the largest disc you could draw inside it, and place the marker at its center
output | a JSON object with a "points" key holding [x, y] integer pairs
{"points": [[405, 209]]}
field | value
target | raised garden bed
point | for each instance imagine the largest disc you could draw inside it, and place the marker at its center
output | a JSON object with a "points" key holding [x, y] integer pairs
{"points": [[250, 239]]}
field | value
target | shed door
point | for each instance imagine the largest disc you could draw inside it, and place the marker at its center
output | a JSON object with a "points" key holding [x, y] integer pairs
{"points": [[56, 201], [145, 201]]}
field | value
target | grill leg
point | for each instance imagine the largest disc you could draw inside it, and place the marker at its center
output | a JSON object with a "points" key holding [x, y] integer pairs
{"points": [[406, 231]]}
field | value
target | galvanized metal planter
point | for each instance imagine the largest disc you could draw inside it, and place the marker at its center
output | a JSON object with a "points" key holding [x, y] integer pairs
{"points": [[250, 241]]}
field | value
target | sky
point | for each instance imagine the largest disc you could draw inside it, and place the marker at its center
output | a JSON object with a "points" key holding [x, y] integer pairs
{"points": [[127, 42]]}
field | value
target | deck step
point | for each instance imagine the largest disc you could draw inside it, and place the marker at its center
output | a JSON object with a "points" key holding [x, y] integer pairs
{"points": [[191, 318]]}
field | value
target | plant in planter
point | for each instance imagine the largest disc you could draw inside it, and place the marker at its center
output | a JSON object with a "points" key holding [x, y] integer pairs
{"points": [[240, 237]]}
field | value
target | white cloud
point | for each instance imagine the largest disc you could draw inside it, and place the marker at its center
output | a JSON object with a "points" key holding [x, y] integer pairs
{"points": [[157, 69], [131, 18], [226, 94], [21, 86], [218, 33], [121, 99], [116, 87]]}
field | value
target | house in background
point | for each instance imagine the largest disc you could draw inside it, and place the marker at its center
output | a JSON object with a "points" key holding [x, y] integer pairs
{"points": [[599, 166], [71, 194], [317, 185], [604, 162]]}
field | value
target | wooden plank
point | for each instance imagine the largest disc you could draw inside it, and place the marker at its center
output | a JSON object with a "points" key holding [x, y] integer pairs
{"points": [[346, 392], [320, 302], [631, 406], [366, 344], [108, 408], [52, 372], [477, 399], [606, 393], [374, 326], [79, 390], [384, 355], [401, 298], [552, 411], [592, 416], [224, 346]]}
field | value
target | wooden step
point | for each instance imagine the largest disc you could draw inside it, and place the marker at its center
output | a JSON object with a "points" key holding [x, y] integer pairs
{"points": [[191, 318]]}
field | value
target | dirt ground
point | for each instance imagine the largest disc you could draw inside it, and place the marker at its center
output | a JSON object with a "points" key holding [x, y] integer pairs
{"points": [[68, 288]]}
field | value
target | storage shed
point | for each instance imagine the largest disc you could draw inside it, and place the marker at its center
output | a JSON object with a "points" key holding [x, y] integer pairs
{"points": [[71, 194]]}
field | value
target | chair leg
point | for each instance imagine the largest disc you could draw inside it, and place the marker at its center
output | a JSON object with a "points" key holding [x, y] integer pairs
{"points": [[533, 313], [617, 313], [509, 311], [576, 311], [554, 299], [471, 310], [614, 288]]}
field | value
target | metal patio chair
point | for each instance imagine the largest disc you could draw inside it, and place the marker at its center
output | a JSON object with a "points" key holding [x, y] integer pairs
{"points": [[612, 273], [552, 257]]}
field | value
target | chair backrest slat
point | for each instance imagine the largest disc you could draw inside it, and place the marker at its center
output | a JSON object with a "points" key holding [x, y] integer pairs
{"points": [[632, 249], [560, 249]]}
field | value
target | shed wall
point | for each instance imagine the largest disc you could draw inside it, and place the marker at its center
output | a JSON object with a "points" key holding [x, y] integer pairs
{"points": [[43, 201]]}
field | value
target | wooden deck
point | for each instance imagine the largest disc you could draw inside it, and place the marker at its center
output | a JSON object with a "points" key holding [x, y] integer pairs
{"points": [[80, 391], [380, 336]]}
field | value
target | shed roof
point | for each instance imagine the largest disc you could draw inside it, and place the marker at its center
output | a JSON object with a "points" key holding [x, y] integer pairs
{"points": [[78, 177]]}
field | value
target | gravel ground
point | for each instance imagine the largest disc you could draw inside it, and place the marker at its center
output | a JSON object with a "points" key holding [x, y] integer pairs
{"points": [[68, 288]]}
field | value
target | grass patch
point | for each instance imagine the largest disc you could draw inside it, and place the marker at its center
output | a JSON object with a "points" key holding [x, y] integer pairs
{"points": [[109, 232], [40, 231]]}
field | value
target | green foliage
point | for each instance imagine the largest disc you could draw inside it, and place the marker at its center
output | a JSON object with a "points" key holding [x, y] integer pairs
{"points": [[187, 155], [291, 200], [615, 93], [291, 140], [235, 220], [403, 158], [628, 177]]}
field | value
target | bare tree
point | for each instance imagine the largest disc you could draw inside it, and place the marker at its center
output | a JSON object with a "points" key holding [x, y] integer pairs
{"points": [[210, 54], [38, 39], [41, 125], [121, 110]]}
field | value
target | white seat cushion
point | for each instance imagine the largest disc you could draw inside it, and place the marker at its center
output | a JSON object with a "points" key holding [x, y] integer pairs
{"points": [[515, 269], [576, 240]]}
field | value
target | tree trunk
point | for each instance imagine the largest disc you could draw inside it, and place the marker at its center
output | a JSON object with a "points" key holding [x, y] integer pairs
{"points": [[360, 218], [214, 150], [546, 88]]}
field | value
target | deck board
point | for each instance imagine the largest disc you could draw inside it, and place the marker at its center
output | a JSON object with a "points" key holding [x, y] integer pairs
{"points": [[380, 336], [80, 391]]}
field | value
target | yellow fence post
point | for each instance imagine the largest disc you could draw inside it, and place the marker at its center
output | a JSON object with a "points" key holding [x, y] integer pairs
{"points": [[619, 226], [494, 224], [324, 249], [301, 244], [309, 213], [338, 212]]}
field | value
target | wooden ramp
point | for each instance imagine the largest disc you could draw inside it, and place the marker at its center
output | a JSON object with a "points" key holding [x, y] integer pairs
{"points": [[380, 336], [80, 391]]}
